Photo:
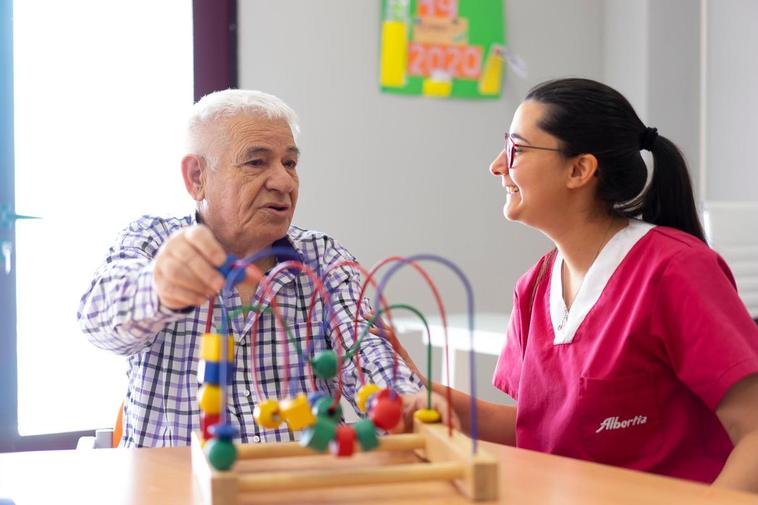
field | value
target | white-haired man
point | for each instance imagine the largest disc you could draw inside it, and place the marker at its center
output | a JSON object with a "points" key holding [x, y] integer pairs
{"points": [[149, 300]]}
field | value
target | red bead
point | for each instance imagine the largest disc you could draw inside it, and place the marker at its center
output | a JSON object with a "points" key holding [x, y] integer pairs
{"points": [[206, 421], [387, 409], [343, 444]]}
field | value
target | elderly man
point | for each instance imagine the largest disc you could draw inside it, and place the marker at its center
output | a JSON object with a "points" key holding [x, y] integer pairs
{"points": [[149, 300]]}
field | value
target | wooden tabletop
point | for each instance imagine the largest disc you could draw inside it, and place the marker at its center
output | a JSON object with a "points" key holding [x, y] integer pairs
{"points": [[164, 476]]}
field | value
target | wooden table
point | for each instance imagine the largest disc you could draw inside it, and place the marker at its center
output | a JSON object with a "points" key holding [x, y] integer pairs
{"points": [[163, 476]]}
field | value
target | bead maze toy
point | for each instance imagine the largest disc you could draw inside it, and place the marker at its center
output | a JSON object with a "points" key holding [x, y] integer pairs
{"points": [[446, 451]]}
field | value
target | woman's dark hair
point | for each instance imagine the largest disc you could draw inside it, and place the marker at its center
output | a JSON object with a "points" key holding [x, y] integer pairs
{"points": [[589, 117]]}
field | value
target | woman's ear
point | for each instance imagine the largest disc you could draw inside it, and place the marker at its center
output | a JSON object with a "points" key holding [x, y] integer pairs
{"points": [[194, 174], [583, 171]]}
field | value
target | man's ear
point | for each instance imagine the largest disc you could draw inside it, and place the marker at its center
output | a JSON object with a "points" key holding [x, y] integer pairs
{"points": [[583, 171], [194, 174]]}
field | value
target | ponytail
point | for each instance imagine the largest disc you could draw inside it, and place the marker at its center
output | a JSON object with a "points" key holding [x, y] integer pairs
{"points": [[668, 200]]}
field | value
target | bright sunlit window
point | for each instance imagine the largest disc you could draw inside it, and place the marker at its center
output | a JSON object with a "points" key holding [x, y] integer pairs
{"points": [[101, 93]]}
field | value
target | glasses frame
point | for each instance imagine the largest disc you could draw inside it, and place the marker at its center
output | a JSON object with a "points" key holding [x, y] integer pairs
{"points": [[510, 151]]}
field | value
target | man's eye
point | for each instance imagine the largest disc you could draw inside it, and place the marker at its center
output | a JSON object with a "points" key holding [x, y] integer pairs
{"points": [[254, 163], [291, 164]]}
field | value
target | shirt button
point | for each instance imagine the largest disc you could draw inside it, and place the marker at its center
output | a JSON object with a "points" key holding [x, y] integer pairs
{"points": [[256, 438], [247, 393]]}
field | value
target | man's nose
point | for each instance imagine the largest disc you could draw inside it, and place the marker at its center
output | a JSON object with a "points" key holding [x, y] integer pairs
{"points": [[281, 179], [499, 165]]}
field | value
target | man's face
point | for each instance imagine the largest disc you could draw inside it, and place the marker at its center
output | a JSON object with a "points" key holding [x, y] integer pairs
{"points": [[250, 194]]}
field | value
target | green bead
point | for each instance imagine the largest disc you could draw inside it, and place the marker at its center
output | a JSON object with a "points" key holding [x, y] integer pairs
{"points": [[221, 454], [365, 432], [325, 364], [323, 408], [318, 436]]}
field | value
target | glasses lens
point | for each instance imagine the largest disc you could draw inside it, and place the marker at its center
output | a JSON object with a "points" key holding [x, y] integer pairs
{"points": [[509, 150]]}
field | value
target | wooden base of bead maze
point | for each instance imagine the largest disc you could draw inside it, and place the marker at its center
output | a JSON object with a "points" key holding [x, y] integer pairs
{"points": [[449, 458]]}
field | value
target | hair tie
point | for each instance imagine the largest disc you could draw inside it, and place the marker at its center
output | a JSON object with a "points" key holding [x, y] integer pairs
{"points": [[648, 138]]}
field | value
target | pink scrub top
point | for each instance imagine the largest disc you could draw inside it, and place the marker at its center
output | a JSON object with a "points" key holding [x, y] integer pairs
{"points": [[631, 376]]}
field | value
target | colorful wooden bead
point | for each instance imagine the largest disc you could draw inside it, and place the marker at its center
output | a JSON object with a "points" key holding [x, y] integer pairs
{"points": [[326, 407], [267, 414], [325, 364], [427, 416], [209, 399], [208, 372], [343, 444], [315, 396], [296, 412], [228, 265], [221, 454], [318, 436], [206, 421], [210, 347], [387, 409], [223, 431], [365, 432], [361, 398]]}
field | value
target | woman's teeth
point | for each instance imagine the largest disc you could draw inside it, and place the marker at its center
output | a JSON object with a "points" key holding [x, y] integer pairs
{"points": [[510, 188]]}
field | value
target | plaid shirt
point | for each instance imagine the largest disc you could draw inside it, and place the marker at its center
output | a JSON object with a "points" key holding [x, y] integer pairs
{"points": [[121, 313]]}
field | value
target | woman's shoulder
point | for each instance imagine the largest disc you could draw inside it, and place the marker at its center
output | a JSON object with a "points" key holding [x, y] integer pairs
{"points": [[536, 273]]}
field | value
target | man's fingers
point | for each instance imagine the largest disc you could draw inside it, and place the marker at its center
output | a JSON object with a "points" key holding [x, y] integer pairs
{"points": [[195, 268], [177, 297], [201, 238]]}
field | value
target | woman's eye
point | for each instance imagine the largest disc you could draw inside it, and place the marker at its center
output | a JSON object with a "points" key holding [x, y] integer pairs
{"points": [[516, 150]]}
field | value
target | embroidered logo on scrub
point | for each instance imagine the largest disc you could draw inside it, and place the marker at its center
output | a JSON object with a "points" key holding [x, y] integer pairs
{"points": [[613, 423]]}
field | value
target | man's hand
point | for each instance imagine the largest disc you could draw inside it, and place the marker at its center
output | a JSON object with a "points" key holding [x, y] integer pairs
{"points": [[185, 272], [384, 330]]}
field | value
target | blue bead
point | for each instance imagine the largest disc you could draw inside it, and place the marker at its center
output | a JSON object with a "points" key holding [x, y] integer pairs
{"points": [[228, 265], [209, 372], [315, 397], [223, 431]]}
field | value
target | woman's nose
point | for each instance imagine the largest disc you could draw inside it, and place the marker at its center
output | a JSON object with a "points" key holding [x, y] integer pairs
{"points": [[499, 165]]}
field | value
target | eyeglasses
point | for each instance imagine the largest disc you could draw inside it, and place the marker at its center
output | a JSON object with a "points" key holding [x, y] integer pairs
{"points": [[511, 146]]}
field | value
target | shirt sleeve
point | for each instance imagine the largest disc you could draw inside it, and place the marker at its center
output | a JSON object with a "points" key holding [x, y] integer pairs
{"points": [[375, 354], [709, 337], [508, 368], [120, 312]]}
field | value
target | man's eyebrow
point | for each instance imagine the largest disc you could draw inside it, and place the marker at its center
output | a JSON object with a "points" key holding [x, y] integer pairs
{"points": [[256, 150]]}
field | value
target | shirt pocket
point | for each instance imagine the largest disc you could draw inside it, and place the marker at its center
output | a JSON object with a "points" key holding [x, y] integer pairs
{"points": [[619, 418]]}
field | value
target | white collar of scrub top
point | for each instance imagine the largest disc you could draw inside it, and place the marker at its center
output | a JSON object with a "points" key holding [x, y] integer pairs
{"points": [[594, 282]]}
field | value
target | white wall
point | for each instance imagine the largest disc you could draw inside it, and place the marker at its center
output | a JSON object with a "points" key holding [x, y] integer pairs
{"points": [[732, 100]]}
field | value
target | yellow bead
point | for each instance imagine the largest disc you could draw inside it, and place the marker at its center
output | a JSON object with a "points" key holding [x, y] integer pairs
{"points": [[267, 414], [210, 347], [364, 393], [427, 416], [209, 399], [296, 412]]}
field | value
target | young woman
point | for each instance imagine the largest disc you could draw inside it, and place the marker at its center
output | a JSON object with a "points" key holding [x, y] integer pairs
{"points": [[628, 344]]}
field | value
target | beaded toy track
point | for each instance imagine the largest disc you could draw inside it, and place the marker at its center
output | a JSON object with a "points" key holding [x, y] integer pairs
{"points": [[449, 454]]}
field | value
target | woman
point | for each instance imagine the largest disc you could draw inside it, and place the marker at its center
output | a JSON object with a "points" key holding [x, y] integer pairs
{"points": [[628, 344]]}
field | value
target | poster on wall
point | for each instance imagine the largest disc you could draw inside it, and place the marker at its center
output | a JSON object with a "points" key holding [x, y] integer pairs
{"points": [[442, 48]]}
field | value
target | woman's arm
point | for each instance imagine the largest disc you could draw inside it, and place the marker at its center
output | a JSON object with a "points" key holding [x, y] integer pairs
{"points": [[495, 422], [738, 412]]}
